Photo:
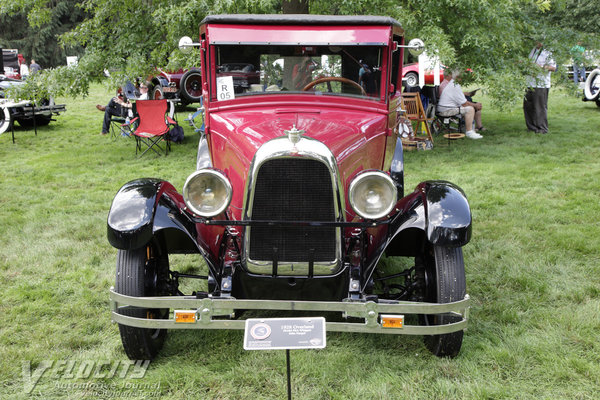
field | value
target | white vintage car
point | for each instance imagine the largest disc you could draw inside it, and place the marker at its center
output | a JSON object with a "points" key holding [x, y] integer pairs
{"points": [[25, 112]]}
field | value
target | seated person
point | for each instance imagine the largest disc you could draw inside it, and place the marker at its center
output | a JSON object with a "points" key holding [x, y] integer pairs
{"points": [[366, 78], [119, 106], [453, 100], [302, 73]]}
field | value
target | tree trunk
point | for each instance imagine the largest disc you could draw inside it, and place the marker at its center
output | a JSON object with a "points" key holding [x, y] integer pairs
{"points": [[294, 6]]}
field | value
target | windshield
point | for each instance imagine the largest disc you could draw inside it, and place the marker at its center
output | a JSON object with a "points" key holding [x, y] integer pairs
{"points": [[323, 70]]}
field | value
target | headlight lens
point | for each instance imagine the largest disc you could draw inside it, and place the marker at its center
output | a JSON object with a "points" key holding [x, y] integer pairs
{"points": [[207, 192], [372, 194]]}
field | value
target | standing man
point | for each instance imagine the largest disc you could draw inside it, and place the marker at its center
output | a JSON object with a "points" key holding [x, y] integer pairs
{"points": [[34, 67], [535, 104], [578, 62]]}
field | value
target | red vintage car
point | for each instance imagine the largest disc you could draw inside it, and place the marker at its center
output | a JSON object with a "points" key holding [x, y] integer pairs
{"points": [[410, 74], [185, 85], [297, 197]]}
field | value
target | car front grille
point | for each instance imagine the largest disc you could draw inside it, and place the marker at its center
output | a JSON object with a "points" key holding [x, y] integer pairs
{"points": [[293, 189]]}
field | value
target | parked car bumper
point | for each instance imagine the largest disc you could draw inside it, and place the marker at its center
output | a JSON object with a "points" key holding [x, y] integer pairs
{"points": [[209, 313]]}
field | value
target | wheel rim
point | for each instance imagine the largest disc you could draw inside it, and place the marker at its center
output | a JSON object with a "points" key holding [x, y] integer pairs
{"points": [[411, 80], [193, 86]]}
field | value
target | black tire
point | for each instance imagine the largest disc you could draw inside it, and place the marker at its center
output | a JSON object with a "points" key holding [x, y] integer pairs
{"points": [[40, 120], [411, 79], [190, 86], [139, 273], [597, 102], [445, 272]]}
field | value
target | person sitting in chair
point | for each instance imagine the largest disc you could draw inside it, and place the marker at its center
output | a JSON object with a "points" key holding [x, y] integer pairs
{"points": [[119, 106], [453, 101]]}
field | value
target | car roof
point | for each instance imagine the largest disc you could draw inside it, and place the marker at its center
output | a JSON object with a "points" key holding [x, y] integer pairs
{"points": [[299, 19]]}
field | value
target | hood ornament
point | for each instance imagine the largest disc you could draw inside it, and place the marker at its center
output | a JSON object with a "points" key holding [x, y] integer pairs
{"points": [[294, 135]]}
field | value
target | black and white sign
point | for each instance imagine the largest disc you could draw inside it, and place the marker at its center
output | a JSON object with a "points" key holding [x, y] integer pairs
{"points": [[284, 333], [225, 88]]}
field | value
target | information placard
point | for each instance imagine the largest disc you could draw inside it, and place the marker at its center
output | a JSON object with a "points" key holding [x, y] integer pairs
{"points": [[284, 333]]}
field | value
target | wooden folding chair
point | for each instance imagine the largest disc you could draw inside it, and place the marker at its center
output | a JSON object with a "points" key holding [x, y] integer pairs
{"points": [[412, 105]]}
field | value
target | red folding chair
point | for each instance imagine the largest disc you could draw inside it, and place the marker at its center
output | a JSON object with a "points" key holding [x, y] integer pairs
{"points": [[153, 126]]}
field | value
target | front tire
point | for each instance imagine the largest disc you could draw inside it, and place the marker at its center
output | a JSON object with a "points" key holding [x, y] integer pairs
{"points": [[139, 273], [446, 282]]}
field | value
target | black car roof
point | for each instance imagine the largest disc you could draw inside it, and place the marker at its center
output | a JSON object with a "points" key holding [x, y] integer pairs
{"points": [[299, 19]]}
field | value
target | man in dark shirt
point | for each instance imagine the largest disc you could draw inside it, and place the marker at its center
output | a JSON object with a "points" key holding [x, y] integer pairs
{"points": [[34, 67]]}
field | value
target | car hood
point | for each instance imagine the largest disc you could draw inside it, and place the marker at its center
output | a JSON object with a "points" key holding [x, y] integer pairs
{"points": [[343, 131], [356, 138]]}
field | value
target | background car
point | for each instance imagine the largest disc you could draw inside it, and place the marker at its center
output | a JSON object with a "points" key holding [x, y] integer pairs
{"points": [[183, 84], [243, 74], [23, 113], [410, 74]]}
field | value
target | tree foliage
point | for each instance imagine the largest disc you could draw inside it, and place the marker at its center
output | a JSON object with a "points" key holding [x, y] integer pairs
{"points": [[34, 29], [493, 38]]}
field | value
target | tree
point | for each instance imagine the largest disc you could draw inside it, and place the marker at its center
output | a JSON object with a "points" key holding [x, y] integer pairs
{"points": [[493, 38], [294, 6], [37, 38]]}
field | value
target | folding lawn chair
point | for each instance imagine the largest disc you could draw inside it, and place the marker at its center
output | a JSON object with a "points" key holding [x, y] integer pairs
{"points": [[153, 126], [452, 123], [121, 126]]}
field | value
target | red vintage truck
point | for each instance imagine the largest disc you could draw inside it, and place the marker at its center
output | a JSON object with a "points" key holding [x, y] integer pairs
{"points": [[297, 198]]}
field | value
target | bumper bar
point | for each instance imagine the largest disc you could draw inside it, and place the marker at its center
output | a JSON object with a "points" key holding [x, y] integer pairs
{"points": [[208, 308]]}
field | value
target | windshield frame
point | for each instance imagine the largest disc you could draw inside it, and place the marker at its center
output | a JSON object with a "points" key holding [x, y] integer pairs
{"points": [[352, 60]]}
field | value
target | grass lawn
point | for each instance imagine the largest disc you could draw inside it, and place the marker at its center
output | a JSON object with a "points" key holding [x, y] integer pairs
{"points": [[533, 272]]}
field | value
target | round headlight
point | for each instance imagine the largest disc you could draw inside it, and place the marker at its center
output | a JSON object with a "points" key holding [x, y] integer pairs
{"points": [[372, 194], [207, 192]]}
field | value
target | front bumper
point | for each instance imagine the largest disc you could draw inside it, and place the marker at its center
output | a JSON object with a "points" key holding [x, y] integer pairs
{"points": [[209, 310]]}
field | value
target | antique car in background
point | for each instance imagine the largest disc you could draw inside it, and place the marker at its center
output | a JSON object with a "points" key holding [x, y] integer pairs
{"points": [[185, 85], [243, 74], [591, 88], [27, 113], [297, 203], [410, 74]]}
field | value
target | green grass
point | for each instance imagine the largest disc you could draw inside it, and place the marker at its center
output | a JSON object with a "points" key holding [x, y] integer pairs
{"points": [[533, 271]]}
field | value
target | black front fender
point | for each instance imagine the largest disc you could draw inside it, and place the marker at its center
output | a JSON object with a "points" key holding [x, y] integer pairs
{"points": [[448, 214], [144, 207], [437, 211]]}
